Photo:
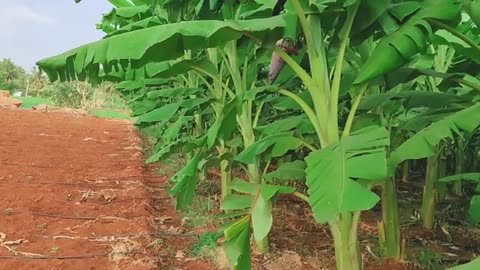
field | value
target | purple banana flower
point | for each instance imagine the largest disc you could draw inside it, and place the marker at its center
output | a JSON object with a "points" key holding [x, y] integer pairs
{"points": [[277, 63]]}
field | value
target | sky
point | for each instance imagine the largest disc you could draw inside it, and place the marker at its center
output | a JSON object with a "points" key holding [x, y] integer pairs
{"points": [[31, 30]]}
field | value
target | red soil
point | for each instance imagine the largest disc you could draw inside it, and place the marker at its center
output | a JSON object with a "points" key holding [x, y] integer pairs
{"points": [[70, 186]]}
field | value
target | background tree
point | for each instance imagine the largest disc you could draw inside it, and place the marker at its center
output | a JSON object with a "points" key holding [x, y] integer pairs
{"points": [[12, 76]]}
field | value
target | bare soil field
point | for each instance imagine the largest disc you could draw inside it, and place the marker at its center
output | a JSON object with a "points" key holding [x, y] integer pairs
{"points": [[76, 195]]}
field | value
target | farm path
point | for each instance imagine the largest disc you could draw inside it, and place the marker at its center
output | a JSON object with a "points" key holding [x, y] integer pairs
{"points": [[76, 186]]}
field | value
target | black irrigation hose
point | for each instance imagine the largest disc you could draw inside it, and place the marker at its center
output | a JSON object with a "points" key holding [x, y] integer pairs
{"points": [[56, 167], [157, 234], [48, 257], [64, 217]]}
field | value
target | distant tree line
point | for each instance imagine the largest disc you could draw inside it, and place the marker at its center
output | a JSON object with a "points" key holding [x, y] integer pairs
{"points": [[14, 78]]}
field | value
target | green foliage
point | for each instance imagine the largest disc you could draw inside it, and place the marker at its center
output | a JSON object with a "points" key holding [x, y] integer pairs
{"points": [[29, 102], [195, 73], [473, 265], [474, 209], [424, 143], [185, 183], [411, 38], [140, 46], [288, 171], [110, 114], [237, 244], [429, 260], [207, 240], [12, 77], [199, 215], [280, 144], [66, 94], [332, 170]]}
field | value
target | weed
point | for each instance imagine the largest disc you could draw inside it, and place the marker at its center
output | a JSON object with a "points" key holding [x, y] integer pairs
{"points": [[200, 214], [54, 250], [208, 241], [29, 102], [110, 114], [429, 260]]}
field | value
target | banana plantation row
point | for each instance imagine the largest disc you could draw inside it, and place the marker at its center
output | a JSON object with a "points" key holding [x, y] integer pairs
{"points": [[321, 100]]}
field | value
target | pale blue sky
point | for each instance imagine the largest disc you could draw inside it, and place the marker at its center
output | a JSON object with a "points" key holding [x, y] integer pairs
{"points": [[34, 29]]}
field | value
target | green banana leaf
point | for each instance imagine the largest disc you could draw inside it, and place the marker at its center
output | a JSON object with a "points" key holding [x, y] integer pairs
{"points": [[185, 183], [423, 144], [473, 265], [294, 170], [461, 177], [412, 99], [278, 144], [154, 44], [225, 124], [398, 48], [258, 203], [331, 172]]}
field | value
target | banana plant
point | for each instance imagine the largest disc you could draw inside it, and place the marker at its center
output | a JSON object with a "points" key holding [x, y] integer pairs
{"points": [[227, 32], [346, 163], [391, 53]]}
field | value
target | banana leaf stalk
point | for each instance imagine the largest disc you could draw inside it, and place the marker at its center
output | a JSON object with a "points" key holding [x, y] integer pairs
{"points": [[430, 192]]}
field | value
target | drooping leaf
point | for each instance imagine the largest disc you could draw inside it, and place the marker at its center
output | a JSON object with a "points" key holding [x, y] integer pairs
{"points": [[260, 196], [185, 183], [418, 121], [173, 92], [474, 210], [163, 113], [257, 208], [154, 44], [473, 265], [262, 219], [404, 9], [252, 188], [224, 125], [286, 103], [137, 25], [369, 11], [138, 84], [411, 99], [173, 130], [120, 3], [282, 125], [461, 177], [235, 202], [397, 49], [237, 244], [164, 150], [280, 143], [288, 171], [331, 172], [423, 144]]}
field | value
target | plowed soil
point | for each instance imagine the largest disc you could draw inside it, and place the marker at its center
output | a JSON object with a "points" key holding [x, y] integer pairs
{"points": [[74, 194]]}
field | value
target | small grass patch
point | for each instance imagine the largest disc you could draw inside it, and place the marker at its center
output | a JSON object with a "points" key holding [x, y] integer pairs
{"points": [[111, 114], [200, 214], [429, 260], [29, 102], [206, 241]]}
